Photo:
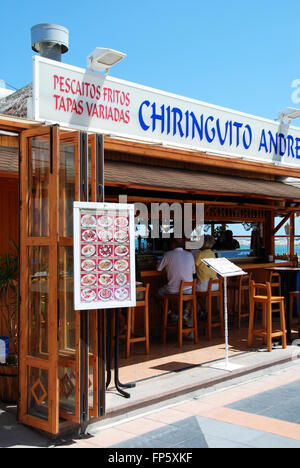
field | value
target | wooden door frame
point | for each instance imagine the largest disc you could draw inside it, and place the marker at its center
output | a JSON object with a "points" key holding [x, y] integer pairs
{"points": [[53, 241], [50, 425]]}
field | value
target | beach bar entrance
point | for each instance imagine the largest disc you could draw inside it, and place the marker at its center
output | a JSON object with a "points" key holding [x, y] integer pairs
{"points": [[158, 148], [62, 351], [62, 362]]}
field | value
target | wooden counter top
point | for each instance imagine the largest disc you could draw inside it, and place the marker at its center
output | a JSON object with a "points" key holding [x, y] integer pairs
{"points": [[244, 266], [151, 273], [252, 266]]}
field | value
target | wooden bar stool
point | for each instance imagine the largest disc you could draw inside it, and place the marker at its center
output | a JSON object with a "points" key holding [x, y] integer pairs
{"points": [[180, 298], [129, 335], [266, 300], [242, 293], [275, 281], [209, 295]]}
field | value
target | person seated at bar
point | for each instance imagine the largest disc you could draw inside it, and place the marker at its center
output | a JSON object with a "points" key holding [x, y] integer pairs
{"points": [[179, 265], [227, 242], [204, 273]]}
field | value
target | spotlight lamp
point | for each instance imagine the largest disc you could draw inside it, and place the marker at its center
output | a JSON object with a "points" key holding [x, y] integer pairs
{"points": [[102, 59], [288, 114]]}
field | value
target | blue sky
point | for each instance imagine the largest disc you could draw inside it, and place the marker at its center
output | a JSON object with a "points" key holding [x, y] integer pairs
{"points": [[238, 54]]}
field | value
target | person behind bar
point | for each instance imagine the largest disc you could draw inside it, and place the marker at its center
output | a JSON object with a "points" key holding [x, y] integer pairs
{"points": [[204, 273], [179, 265], [229, 243]]}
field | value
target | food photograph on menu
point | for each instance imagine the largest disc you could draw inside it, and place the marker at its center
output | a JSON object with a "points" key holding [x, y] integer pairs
{"points": [[104, 264]]}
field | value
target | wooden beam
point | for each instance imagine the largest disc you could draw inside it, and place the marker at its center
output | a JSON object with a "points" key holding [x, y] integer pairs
{"points": [[190, 192], [9, 175], [200, 158], [16, 124], [9, 141], [292, 234], [53, 387], [284, 220]]}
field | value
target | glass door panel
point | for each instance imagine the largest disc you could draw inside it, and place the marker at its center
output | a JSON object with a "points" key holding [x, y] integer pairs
{"points": [[66, 187], [67, 392], [38, 186], [38, 303], [37, 393], [67, 323], [68, 332]]}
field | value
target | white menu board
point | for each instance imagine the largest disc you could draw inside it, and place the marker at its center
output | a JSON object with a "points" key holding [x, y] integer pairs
{"points": [[104, 256], [223, 266]]}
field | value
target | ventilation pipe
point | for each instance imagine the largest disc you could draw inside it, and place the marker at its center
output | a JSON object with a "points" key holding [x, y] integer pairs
{"points": [[50, 40]]}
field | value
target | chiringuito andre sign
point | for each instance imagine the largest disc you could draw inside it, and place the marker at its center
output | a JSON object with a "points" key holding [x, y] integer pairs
{"points": [[82, 99]]}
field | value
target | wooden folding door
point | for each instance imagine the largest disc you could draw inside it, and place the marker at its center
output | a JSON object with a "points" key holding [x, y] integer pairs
{"points": [[61, 368], [38, 351]]}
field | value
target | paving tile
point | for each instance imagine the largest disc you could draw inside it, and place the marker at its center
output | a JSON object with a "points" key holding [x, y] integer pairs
{"points": [[224, 435], [221, 399], [265, 440], [261, 423], [226, 431], [197, 441], [140, 426], [104, 438], [219, 442], [169, 436], [279, 403], [194, 407], [199, 432], [286, 411], [222, 426], [168, 416], [140, 442]]}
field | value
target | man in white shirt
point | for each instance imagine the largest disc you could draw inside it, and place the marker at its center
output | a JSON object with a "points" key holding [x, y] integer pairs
{"points": [[179, 265]]}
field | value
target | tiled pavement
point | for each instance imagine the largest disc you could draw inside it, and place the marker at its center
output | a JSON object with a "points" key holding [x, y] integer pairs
{"points": [[262, 413], [244, 414]]}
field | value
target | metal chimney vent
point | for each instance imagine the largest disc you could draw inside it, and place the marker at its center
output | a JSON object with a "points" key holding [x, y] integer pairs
{"points": [[50, 40]]}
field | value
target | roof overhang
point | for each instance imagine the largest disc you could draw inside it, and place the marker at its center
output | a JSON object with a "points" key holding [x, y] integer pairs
{"points": [[16, 124], [145, 177], [138, 148]]}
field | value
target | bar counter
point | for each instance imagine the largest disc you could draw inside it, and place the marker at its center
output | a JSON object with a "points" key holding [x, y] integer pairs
{"points": [[158, 279], [245, 266]]}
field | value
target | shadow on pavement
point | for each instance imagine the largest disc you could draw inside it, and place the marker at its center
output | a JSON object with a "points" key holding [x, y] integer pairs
{"points": [[15, 434]]}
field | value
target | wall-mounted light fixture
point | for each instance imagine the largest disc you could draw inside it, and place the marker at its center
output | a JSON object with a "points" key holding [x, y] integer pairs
{"points": [[102, 59], [288, 114]]}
